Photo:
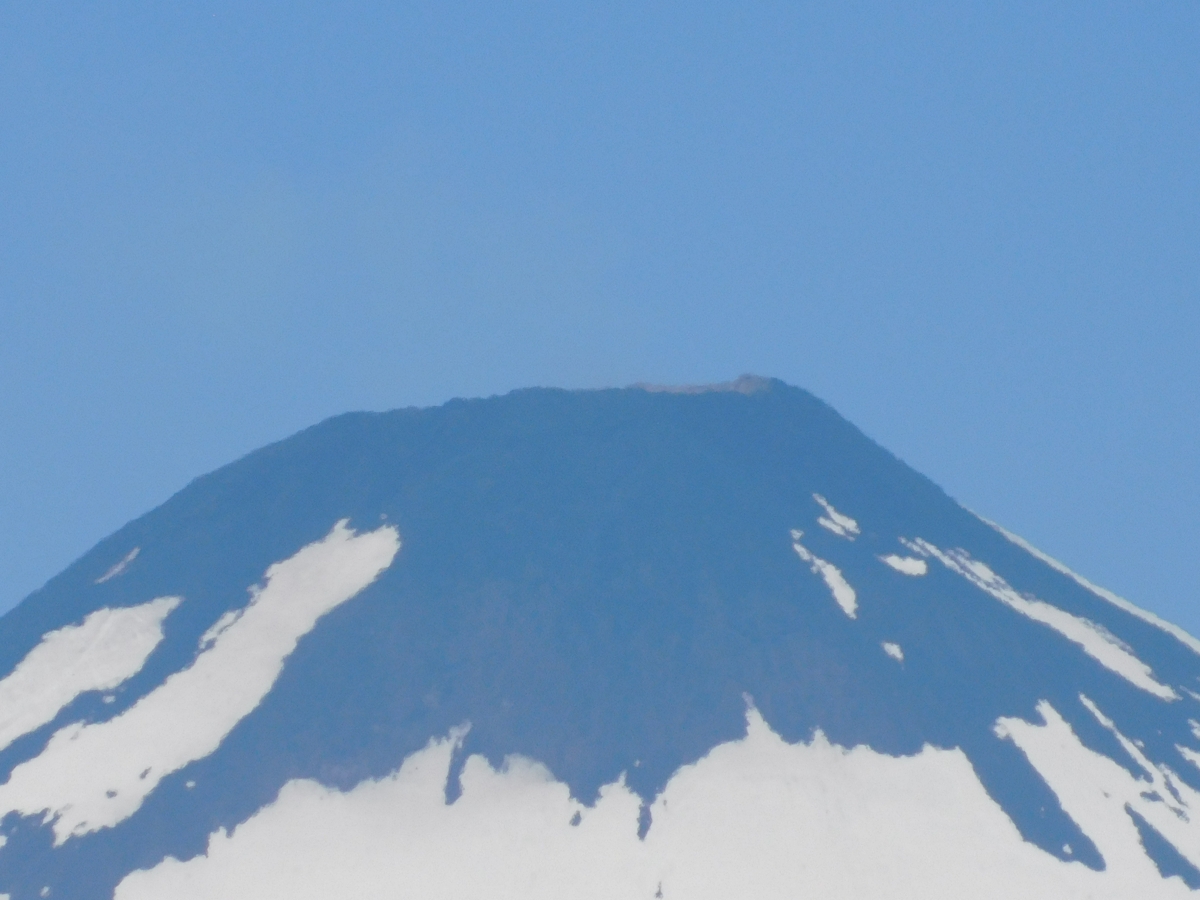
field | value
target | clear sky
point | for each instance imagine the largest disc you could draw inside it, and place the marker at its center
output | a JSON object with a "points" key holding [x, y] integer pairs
{"points": [[974, 228]]}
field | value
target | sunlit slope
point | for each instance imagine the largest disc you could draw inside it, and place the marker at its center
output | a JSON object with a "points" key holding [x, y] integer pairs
{"points": [[608, 643]]}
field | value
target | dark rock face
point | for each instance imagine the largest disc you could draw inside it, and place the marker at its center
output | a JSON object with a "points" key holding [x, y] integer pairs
{"points": [[596, 580]]}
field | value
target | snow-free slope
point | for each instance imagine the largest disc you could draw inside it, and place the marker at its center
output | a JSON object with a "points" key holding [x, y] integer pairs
{"points": [[613, 643]]}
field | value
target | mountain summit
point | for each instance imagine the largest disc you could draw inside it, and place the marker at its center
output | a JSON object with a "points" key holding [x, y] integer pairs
{"points": [[698, 642]]}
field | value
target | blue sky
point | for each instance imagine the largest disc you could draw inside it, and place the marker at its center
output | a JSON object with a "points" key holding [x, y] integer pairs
{"points": [[972, 228]]}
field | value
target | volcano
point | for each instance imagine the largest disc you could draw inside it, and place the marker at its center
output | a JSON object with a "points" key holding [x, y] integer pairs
{"points": [[700, 642]]}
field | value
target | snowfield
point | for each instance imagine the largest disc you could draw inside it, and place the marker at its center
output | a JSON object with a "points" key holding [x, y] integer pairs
{"points": [[105, 650], [756, 817]]}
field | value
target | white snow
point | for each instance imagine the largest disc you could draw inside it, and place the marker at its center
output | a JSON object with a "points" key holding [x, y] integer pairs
{"points": [[106, 649], [839, 524], [843, 594], [219, 627], [120, 566], [1146, 616], [508, 835], [756, 817], [1095, 641], [96, 775], [906, 565], [893, 650], [1189, 754], [1094, 791]]}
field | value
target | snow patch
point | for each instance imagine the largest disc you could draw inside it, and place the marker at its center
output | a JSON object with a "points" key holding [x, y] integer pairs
{"points": [[106, 649], [894, 651], [219, 627], [1096, 641], [120, 567], [93, 776], [1189, 754], [756, 817], [1120, 602], [1094, 791], [843, 594], [839, 524], [906, 565]]}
